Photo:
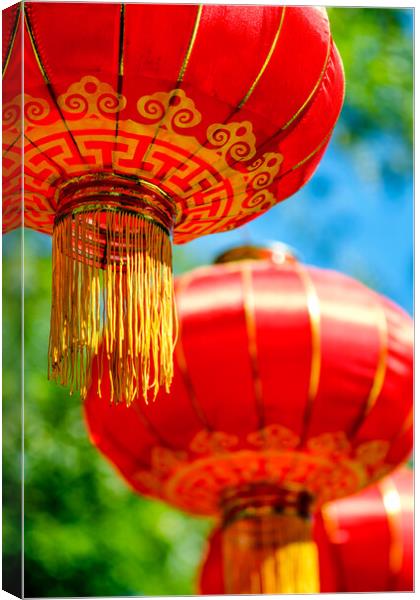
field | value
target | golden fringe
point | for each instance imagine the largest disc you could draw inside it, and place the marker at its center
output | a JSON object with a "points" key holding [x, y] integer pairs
{"points": [[273, 554], [112, 282]]}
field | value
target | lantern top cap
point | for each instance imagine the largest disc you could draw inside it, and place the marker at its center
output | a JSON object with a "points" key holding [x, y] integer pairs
{"points": [[276, 252]]}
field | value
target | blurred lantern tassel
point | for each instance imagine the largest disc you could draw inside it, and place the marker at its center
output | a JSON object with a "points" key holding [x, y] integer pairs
{"points": [[112, 278], [269, 553]]}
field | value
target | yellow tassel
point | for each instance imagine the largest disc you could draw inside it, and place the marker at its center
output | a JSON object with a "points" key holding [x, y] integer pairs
{"points": [[270, 554], [119, 290]]}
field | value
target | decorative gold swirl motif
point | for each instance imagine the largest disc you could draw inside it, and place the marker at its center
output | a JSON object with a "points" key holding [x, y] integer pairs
{"points": [[35, 110], [234, 141], [164, 460], [213, 475], [213, 441], [88, 97], [11, 115], [265, 169], [274, 437], [330, 444], [218, 182], [171, 109], [372, 453], [330, 484], [260, 200], [331, 469]]}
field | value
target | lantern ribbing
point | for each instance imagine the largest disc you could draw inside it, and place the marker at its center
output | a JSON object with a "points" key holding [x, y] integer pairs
{"points": [[265, 478]]}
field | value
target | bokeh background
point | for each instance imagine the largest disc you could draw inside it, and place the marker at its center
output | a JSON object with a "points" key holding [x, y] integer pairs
{"points": [[86, 533]]}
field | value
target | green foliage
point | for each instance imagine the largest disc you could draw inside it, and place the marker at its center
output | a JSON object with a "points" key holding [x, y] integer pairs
{"points": [[12, 411], [86, 532], [376, 47]]}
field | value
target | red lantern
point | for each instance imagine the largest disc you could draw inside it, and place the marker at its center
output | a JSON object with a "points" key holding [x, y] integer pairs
{"points": [[292, 387], [143, 121], [365, 542]]}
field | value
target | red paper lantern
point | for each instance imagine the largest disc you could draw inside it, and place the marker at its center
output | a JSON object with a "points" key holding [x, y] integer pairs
{"points": [[143, 121], [292, 387], [365, 542]]}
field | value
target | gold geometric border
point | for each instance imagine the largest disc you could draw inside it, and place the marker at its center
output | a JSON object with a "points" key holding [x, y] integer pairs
{"points": [[216, 181]]}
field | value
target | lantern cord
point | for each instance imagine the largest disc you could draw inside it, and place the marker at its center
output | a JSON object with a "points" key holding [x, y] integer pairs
{"points": [[112, 280], [270, 554]]}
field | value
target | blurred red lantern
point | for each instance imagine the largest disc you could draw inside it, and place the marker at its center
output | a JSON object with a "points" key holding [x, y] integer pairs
{"points": [[292, 387], [365, 542], [143, 121]]}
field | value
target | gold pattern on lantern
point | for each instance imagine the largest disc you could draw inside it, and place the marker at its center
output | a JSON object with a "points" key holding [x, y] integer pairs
{"points": [[90, 98], [206, 442], [213, 183], [331, 469], [216, 181], [273, 437]]}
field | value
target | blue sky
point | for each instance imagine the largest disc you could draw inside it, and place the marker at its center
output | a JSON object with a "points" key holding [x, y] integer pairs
{"points": [[351, 217]]}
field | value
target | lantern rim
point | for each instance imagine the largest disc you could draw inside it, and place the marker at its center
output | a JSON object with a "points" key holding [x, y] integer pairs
{"points": [[260, 500], [115, 192], [275, 252]]}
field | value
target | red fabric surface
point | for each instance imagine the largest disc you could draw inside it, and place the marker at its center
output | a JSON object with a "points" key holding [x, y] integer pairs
{"points": [[259, 89], [12, 125], [354, 554], [240, 409]]}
